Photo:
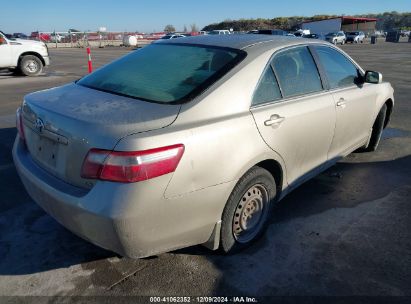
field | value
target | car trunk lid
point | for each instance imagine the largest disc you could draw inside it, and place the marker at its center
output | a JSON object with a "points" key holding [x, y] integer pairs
{"points": [[62, 124]]}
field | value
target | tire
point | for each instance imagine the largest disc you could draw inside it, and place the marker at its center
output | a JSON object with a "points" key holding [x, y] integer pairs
{"points": [[376, 132], [247, 210], [335, 41], [343, 42], [30, 65]]}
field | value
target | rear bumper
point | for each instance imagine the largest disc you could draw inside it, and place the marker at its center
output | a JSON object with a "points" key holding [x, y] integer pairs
{"points": [[65, 202], [133, 220]]}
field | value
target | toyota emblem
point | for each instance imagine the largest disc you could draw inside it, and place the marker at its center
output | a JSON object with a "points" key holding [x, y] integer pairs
{"points": [[39, 125]]}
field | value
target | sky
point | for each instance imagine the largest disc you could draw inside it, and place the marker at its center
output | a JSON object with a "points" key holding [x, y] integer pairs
{"points": [[149, 16]]}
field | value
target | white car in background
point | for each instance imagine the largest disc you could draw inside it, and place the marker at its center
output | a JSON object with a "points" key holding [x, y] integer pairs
{"points": [[336, 37], [172, 36], [355, 37], [55, 37], [219, 32], [27, 56]]}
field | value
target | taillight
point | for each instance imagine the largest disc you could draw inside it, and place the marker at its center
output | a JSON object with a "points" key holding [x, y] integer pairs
{"points": [[130, 167], [19, 124]]}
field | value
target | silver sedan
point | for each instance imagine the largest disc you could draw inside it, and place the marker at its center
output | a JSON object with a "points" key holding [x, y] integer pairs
{"points": [[192, 141]]}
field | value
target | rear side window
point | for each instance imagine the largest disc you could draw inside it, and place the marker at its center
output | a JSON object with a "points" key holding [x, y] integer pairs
{"points": [[267, 89], [297, 72], [164, 73], [340, 71]]}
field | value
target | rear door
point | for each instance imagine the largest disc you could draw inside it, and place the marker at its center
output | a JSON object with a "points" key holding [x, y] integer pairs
{"points": [[294, 114], [354, 101]]}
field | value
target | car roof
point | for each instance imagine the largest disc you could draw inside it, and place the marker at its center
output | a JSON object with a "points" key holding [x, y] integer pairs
{"points": [[251, 42]]}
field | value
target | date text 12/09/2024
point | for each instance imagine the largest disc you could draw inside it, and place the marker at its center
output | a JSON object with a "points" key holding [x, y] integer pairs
{"points": [[203, 300]]}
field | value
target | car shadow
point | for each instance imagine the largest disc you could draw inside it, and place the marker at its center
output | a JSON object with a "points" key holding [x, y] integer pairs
{"points": [[342, 233]]}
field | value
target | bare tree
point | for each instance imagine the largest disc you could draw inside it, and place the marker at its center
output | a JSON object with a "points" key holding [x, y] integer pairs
{"points": [[185, 29], [169, 28], [194, 27]]}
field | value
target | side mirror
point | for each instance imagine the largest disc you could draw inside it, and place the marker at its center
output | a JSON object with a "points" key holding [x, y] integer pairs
{"points": [[373, 77]]}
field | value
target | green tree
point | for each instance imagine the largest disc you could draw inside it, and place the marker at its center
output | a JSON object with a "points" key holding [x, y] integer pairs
{"points": [[385, 21], [169, 28]]}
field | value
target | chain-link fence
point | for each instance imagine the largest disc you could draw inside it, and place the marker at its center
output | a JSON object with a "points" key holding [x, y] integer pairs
{"points": [[92, 39]]}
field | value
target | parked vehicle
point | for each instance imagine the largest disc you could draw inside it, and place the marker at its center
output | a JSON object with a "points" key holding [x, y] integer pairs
{"points": [[172, 36], [219, 32], [193, 141], [355, 37], [336, 37], [56, 37], [313, 36], [20, 36], [40, 36], [272, 32], [27, 56], [405, 33], [301, 32]]}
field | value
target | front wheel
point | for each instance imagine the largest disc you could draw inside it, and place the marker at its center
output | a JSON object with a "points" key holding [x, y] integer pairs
{"points": [[342, 42], [246, 212], [30, 65], [376, 131]]}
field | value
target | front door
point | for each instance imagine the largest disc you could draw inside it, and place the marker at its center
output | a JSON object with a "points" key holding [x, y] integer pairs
{"points": [[354, 101]]}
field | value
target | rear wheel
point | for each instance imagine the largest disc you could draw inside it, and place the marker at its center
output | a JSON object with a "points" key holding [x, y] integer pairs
{"points": [[246, 212], [30, 65]]}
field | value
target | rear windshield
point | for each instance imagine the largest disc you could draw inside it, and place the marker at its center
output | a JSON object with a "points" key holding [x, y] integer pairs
{"points": [[354, 33], [164, 73]]}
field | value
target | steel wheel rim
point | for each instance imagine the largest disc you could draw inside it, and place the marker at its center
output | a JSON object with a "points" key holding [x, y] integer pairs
{"points": [[32, 66], [250, 213]]}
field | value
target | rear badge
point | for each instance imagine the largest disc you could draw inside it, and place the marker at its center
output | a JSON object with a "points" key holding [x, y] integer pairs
{"points": [[39, 125]]}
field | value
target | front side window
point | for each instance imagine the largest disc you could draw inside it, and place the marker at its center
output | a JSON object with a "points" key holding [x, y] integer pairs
{"points": [[164, 73], [267, 89], [340, 71], [296, 72]]}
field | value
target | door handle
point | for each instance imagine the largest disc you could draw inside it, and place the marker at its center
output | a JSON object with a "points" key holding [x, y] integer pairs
{"points": [[274, 120], [341, 102]]}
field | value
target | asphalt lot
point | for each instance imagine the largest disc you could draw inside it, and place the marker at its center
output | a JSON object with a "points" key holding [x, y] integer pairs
{"points": [[346, 232]]}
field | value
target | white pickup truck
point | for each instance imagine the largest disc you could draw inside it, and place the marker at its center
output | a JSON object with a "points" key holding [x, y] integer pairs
{"points": [[26, 56]]}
